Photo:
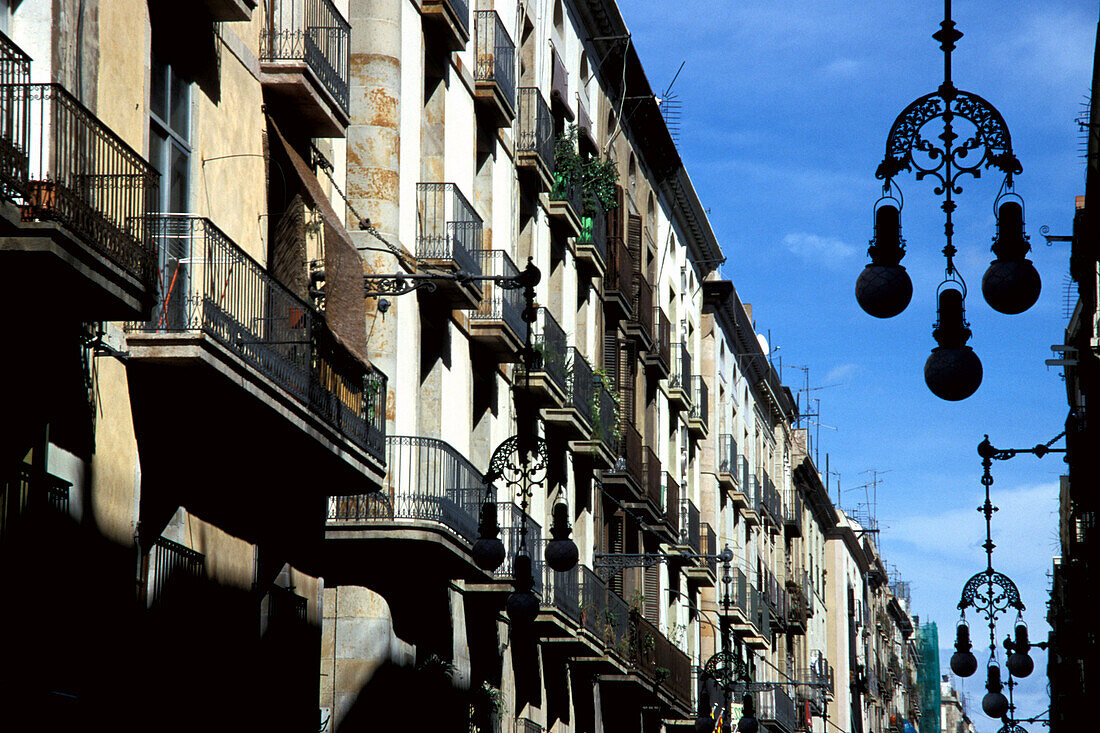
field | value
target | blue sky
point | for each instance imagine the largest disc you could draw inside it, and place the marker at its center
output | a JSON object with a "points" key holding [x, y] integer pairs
{"points": [[786, 108]]}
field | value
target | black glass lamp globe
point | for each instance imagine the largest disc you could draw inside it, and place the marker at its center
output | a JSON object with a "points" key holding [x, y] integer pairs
{"points": [[561, 553], [963, 661], [488, 551], [1011, 285], [883, 289], [953, 371], [994, 704], [1019, 662], [521, 605]]}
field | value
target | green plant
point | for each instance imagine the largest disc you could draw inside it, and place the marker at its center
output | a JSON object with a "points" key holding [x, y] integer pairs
{"points": [[603, 379], [661, 673], [597, 176]]}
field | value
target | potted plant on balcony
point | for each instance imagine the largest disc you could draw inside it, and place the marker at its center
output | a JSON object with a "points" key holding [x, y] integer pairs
{"points": [[596, 176]]}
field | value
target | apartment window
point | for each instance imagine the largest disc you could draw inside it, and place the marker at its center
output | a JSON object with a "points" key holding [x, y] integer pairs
{"points": [[170, 135]]}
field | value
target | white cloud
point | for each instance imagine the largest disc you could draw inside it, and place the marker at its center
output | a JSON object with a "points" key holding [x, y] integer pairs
{"points": [[815, 248], [842, 68], [840, 373]]}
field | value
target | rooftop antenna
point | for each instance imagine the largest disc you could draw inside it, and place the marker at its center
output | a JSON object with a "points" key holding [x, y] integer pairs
{"points": [[670, 107]]}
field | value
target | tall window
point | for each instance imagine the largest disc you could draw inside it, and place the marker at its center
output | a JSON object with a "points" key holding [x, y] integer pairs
{"points": [[170, 135]]}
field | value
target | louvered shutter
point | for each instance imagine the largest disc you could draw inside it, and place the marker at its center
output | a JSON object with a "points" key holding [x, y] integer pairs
{"points": [[653, 594]]}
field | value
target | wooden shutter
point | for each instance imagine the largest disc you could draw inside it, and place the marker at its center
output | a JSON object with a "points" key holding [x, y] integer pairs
{"points": [[615, 214], [634, 240], [653, 594]]}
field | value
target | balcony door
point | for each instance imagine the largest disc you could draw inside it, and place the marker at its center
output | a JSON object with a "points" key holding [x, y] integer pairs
{"points": [[170, 154]]}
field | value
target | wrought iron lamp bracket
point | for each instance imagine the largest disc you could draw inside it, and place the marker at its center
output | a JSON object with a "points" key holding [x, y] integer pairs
{"points": [[990, 593], [519, 473]]}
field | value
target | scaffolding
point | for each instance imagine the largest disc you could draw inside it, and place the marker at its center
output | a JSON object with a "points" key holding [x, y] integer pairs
{"points": [[928, 677]]}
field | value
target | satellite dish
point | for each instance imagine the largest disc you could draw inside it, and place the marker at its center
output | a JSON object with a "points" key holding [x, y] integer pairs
{"points": [[763, 343]]}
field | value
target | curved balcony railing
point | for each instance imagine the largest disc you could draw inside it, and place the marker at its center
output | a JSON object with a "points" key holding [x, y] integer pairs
{"points": [[689, 524], [495, 54], [312, 31], [448, 228], [605, 415], [700, 399], [670, 501], [594, 230], [535, 127], [551, 349], [629, 457], [662, 336], [60, 163], [210, 285], [427, 480], [727, 455], [499, 303], [680, 375], [643, 304], [582, 385]]}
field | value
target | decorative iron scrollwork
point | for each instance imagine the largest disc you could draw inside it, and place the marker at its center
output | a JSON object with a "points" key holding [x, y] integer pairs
{"points": [[518, 474], [725, 668], [375, 286], [980, 592]]}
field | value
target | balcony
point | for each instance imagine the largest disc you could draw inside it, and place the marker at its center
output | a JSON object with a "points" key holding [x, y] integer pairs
{"points": [[497, 322], [428, 509], [689, 527], [548, 381], [561, 602], [670, 506], [602, 447], [592, 241], [638, 326], [448, 237], [679, 378], [304, 51], [801, 605], [618, 295], [575, 416], [653, 489], [515, 524], [448, 21], [564, 206], [776, 599], [792, 513], [627, 476], [659, 357], [230, 10], [630, 643], [769, 500], [753, 510], [494, 68], [172, 568], [31, 492], [698, 414], [226, 339], [705, 571], [73, 234], [775, 710], [535, 139], [726, 462]]}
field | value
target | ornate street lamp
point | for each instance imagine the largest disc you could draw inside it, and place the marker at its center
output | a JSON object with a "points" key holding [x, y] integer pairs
{"points": [[1011, 284], [992, 593], [520, 461]]}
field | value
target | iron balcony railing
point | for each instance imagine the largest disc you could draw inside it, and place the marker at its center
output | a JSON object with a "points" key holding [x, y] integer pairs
{"points": [[286, 610], [742, 472], [28, 490], [535, 126], [172, 563], [594, 230], [662, 336], [551, 352], [427, 480], [629, 458], [727, 454], [605, 415], [670, 501], [582, 386], [792, 509], [603, 613], [526, 725], [753, 496], [567, 191], [513, 522], [776, 707], [620, 270], [209, 284], [658, 658], [499, 303], [689, 524], [651, 467], [770, 497], [680, 375], [700, 399], [15, 64], [314, 32], [708, 545], [448, 228], [60, 163], [496, 54], [562, 591], [643, 304]]}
